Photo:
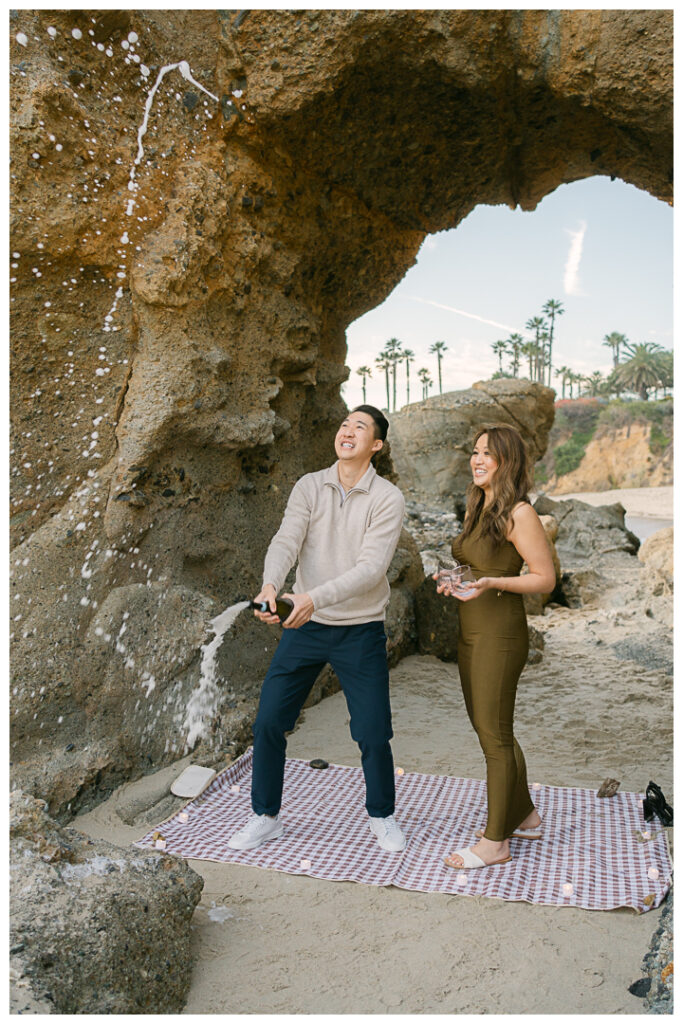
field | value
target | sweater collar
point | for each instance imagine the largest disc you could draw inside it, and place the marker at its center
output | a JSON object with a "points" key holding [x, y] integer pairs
{"points": [[364, 484]]}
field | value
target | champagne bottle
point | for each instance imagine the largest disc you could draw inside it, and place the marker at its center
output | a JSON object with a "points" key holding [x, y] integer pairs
{"points": [[283, 605]]}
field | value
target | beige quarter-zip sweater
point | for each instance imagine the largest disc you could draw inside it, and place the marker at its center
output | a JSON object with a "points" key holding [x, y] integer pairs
{"points": [[343, 543]]}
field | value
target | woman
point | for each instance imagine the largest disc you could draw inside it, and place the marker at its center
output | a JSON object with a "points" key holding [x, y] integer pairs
{"points": [[501, 532]]}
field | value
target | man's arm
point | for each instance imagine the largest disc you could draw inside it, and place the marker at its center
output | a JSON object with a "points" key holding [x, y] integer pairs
{"points": [[377, 550], [285, 546]]}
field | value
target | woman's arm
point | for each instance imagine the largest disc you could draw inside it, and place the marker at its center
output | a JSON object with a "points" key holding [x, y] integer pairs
{"points": [[528, 536]]}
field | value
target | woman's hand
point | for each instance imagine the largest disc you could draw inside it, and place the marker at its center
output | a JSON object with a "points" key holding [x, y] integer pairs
{"points": [[472, 588]]}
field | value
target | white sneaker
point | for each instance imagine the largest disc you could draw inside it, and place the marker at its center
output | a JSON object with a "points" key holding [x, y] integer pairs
{"points": [[389, 835], [259, 829]]}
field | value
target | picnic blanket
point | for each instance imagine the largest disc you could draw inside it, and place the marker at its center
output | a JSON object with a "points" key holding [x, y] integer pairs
{"points": [[597, 854]]}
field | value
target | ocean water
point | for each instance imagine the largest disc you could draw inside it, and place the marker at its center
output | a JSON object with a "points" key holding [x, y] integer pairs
{"points": [[643, 526]]}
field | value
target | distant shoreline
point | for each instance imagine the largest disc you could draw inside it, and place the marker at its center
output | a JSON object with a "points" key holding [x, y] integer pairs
{"points": [[641, 502]]}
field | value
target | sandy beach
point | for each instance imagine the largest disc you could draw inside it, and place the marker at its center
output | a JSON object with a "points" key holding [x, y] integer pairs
{"points": [[647, 502], [268, 942]]}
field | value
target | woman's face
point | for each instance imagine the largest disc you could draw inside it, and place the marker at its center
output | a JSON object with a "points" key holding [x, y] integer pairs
{"points": [[482, 463]]}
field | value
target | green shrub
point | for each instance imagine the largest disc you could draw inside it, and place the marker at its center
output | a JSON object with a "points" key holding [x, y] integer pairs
{"points": [[659, 441], [568, 456], [540, 474], [619, 413], [579, 414]]}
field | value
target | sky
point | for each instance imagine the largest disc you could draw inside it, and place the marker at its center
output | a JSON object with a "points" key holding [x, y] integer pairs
{"points": [[602, 248]]}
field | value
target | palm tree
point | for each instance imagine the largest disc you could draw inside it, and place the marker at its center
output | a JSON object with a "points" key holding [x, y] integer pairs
{"points": [[499, 349], [615, 341], [666, 365], [543, 342], [595, 384], [565, 373], [384, 364], [642, 370], [515, 341], [583, 382], [408, 354], [552, 309], [439, 347], [613, 385], [538, 325], [423, 374], [572, 379], [364, 372], [528, 349], [392, 350]]}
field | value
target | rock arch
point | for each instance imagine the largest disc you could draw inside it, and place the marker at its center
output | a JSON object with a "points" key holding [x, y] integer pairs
{"points": [[265, 221]]}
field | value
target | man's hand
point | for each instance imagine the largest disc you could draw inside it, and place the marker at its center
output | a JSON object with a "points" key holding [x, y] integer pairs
{"points": [[300, 613], [268, 594]]}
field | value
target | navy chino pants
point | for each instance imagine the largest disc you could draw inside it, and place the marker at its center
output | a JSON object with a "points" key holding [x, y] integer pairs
{"points": [[358, 656]]}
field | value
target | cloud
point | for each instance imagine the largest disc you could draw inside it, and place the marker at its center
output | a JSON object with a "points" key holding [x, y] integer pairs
{"points": [[471, 316], [571, 267]]}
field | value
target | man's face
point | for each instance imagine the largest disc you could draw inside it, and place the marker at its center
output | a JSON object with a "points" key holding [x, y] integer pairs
{"points": [[355, 440]]}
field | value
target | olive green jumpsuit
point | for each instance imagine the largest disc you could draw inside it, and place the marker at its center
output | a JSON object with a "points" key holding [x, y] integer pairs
{"points": [[492, 650]]}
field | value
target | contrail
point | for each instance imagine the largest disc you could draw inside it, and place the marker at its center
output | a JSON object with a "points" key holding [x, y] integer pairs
{"points": [[571, 267], [472, 316]]}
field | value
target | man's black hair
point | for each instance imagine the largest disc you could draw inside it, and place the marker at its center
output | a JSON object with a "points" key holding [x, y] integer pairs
{"points": [[380, 420]]}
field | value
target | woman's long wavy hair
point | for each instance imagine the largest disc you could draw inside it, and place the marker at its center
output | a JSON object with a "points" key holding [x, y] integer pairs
{"points": [[510, 484]]}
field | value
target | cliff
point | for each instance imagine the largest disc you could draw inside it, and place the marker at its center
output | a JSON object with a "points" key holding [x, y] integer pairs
{"points": [[600, 447]]}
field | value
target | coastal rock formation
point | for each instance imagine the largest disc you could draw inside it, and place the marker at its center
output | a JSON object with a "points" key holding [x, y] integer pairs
{"points": [[432, 440], [658, 984], [585, 532], [657, 553], [621, 458], [436, 621], [202, 201], [95, 928]]}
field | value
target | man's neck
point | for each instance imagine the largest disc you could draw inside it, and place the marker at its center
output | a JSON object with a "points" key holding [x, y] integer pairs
{"points": [[349, 473]]}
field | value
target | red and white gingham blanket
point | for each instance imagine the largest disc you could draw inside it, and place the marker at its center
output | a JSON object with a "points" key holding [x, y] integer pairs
{"points": [[592, 853]]}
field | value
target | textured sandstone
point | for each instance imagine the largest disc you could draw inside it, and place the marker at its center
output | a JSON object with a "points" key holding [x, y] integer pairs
{"points": [[432, 439], [175, 370], [657, 553], [95, 928], [620, 459]]}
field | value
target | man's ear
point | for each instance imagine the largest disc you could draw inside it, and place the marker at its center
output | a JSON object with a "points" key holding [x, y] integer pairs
{"points": [[378, 445]]}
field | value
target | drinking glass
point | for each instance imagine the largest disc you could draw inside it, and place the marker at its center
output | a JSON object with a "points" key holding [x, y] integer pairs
{"points": [[462, 583], [447, 573]]}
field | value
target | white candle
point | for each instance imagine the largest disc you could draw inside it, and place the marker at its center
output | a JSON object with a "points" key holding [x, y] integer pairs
{"points": [[567, 889], [652, 873], [305, 865]]}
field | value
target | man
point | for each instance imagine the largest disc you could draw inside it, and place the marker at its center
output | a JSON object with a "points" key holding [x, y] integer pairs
{"points": [[342, 524]]}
